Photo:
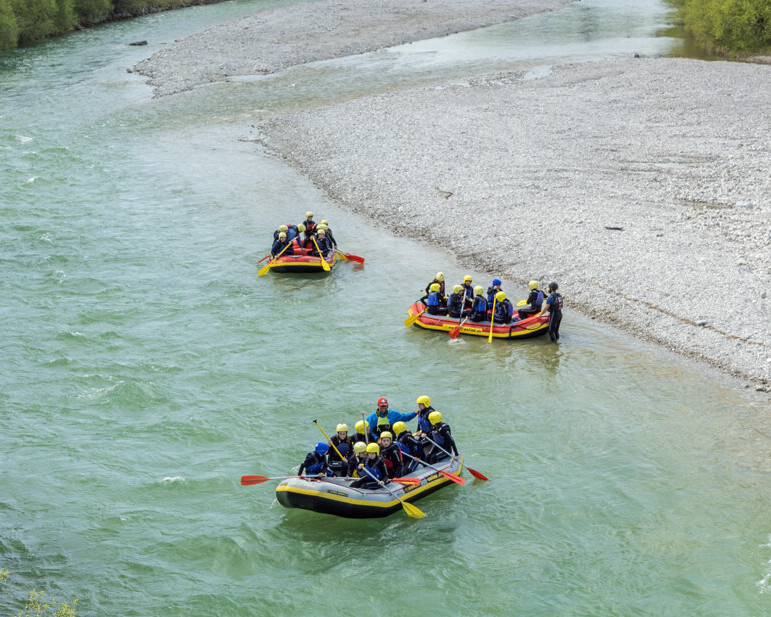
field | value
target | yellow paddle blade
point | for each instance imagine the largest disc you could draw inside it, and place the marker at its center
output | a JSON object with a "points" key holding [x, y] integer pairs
{"points": [[413, 511], [324, 264], [265, 269], [412, 319], [522, 303], [342, 256]]}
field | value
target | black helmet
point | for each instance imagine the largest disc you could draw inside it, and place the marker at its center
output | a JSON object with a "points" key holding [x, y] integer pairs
{"points": [[554, 286]]}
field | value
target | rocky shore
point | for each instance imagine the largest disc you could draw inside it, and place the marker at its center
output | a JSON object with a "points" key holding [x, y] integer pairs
{"points": [[641, 185]]}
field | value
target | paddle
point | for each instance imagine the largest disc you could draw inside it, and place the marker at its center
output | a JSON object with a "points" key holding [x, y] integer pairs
{"points": [[473, 472], [264, 270], [413, 318], [410, 510], [264, 258], [324, 263], [522, 303], [452, 476], [250, 480], [342, 458], [492, 319], [356, 258], [456, 330]]}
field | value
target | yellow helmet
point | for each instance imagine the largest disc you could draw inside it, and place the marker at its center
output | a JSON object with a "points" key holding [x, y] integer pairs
{"points": [[435, 287], [281, 236], [399, 428], [467, 278], [425, 400], [309, 215], [373, 447], [439, 276], [533, 284], [500, 296], [283, 228], [435, 417], [386, 435], [360, 426], [359, 447], [322, 226], [301, 227], [457, 289], [321, 232], [342, 428], [324, 222], [479, 290]]}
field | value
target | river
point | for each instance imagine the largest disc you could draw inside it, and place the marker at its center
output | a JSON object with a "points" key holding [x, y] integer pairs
{"points": [[146, 367]]}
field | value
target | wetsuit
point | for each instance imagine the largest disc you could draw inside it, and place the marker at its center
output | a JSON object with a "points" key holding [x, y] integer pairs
{"points": [[392, 457], [554, 302], [353, 465], [424, 426], [359, 437], [279, 245], [325, 246], [503, 311], [442, 435], [455, 305], [331, 237], [336, 465], [310, 228], [377, 468], [479, 309], [534, 304], [411, 445], [441, 287], [314, 463]]}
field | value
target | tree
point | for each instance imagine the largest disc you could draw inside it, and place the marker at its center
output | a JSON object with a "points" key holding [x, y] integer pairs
{"points": [[9, 29]]}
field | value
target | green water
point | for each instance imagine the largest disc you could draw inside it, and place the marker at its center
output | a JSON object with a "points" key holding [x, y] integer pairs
{"points": [[145, 368]]}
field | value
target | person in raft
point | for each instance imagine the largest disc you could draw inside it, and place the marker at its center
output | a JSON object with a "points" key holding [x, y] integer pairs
{"points": [[325, 246], [391, 455], [281, 230], [315, 462], [479, 307], [360, 427], [409, 445], [424, 426], [554, 306], [331, 237], [383, 419], [442, 436], [292, 231], [504, 310], [358, 457], [344, 444], [280, 244], [534, 301], [310, 224], [491, 291], [303, 240], [434, 299], [373, 464], [438, 280], [455, 302], [468, 292]]}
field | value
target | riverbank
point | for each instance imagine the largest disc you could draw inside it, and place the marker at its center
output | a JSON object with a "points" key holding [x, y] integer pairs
{"points": [[277, 39], [640, 185]]}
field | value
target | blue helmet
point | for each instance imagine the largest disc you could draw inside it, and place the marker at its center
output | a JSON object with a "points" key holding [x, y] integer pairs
{"points": [[497, 282], [321, 448]]}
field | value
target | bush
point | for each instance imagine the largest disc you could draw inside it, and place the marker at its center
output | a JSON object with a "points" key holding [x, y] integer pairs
{"points": [[733, 26], [91, 11], [9, 29]]}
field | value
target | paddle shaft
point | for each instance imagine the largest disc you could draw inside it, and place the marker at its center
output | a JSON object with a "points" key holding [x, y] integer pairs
{"points": [[342, 458], [366, 428], [452, 476], [264, 258], [267, 266], [324, 263], [492, 320], [473, 472]]}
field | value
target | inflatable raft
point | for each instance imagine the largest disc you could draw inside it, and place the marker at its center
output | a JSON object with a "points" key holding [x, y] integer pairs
{"points": [[526, 328], [302, 263], [335, 495]]}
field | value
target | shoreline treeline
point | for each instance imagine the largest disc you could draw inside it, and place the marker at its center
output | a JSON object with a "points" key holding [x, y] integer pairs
{"points": [[23, 22], [732, 27]]}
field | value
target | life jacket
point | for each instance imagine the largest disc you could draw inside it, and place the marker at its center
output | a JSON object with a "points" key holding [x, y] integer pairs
{"points": [[468, 292], [292, 232], [345, 448], [557, 305], [278, 246], [423, 423], [383, 424], [310, 228], [438, 437], [391, 456], [354, 462], [316, 467], [325, 246], [504, 311], [433, 299], [491, 295], [407, 443], [373, 466], [480, 304]]}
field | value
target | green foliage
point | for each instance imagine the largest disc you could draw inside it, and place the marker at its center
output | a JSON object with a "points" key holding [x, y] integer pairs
{"points": [[38, 605], [733, 26], [90, 11], [9, 36]]}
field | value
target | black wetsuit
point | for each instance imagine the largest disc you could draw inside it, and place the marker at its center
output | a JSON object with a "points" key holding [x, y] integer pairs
{"points": [[441, 434], [392, 457], [337, 465], [533, 305], [554, 302]]}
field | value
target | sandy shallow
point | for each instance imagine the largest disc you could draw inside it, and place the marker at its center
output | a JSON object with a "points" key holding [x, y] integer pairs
{"points": [[640, 185], [273, 40]]}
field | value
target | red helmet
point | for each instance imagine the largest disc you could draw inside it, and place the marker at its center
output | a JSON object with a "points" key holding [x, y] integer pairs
{"points": [[382, 401]]}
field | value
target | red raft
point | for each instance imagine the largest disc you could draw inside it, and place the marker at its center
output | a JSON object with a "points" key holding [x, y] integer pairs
{"points": [[526, 328], [300, 262]]}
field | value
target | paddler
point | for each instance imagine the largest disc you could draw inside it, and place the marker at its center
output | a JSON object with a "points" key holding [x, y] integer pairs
{"points": [[455, 303], [409, 444], [343, 445], [424, 426], [491, 291], [310, 225], [438, 279], [384, 418], [534, 301], [376, 468], [282, 229], [331, 237], [468, 292], [360, 427], [504, 310], [315, 462], [325, 246], [554, 306], [479, 307], [434, 300], [391, 455], [441, 435], [358, 457], [280, 244]]}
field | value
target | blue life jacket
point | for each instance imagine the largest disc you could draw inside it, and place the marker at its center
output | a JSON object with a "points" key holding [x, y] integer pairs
{"points": [[423, 423], [433, 299], [468, 292], [373, 470], [480, 304], [504, 310], [292, 232]]}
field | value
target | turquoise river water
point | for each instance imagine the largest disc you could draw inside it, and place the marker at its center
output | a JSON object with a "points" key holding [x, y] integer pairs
{"points": [[145, 367]]}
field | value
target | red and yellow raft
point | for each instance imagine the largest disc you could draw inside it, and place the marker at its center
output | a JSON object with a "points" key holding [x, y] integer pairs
{"points": [[526, 328], [302, 263]]}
